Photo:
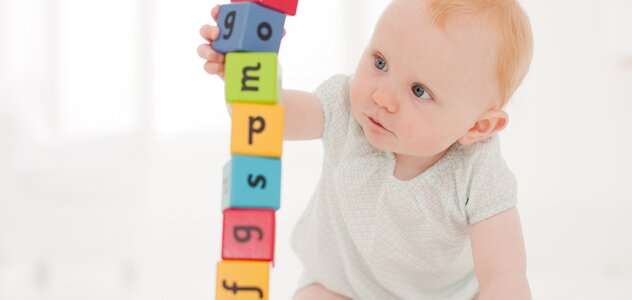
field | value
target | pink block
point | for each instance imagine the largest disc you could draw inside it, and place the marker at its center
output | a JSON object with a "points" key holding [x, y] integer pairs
{"points": [[287, 7], [248, 234]]}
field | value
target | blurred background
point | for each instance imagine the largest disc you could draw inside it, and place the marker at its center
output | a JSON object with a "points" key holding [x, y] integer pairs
{"points": [[112, 142]]}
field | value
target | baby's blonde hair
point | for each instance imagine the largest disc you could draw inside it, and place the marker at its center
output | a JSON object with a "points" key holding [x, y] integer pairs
{"points": [[514, 36]]}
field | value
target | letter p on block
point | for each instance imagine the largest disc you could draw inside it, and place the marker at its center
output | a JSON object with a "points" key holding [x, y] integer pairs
{"points": [[257, 130]]}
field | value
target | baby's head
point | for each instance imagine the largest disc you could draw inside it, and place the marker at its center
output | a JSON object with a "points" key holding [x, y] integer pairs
{"points": [[440, 71]]}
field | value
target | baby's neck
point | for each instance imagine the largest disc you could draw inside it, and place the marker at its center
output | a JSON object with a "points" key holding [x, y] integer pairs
{"points": [[408, 167]]}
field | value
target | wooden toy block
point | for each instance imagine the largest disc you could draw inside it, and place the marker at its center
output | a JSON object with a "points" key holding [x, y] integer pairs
{"points": [[257, 130], [287, 7], [248, 234], [252, 77], [252, 182], [248, 27], [242, 280]]}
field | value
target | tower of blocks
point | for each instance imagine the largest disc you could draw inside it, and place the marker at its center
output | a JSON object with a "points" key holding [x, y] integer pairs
{"points": [[250, 36]]}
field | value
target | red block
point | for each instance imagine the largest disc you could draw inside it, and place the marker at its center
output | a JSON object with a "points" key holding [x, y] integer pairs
{"points": [[287, 7], [248, 234]]}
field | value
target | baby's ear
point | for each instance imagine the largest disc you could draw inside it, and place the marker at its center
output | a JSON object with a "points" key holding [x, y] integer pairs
{"points": [[490, 122]]}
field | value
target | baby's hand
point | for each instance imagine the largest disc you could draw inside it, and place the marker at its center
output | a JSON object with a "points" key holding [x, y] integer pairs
{"points": [[214, 60]]}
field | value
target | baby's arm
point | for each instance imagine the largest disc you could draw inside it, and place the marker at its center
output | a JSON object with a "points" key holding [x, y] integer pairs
{"points": [[499, 257], [303, 113]]}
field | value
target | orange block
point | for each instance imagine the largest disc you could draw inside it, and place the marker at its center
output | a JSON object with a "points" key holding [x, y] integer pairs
{"points": [[242, 280], [257, 130]]}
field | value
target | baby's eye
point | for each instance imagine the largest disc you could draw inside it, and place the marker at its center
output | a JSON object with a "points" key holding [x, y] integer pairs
{"points": [[420, 92], [380, 63]]}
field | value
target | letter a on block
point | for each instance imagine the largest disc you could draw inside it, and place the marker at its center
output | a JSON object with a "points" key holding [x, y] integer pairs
{"points": [[257, 130], [252, 78], [242, 280], [248, 234]]}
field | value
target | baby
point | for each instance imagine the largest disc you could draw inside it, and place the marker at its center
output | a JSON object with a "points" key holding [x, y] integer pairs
{"points": [[415, 200]]}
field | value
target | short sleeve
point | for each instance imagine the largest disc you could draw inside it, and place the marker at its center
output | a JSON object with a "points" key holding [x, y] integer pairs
{"points": [[333, 95], [493, 187]]}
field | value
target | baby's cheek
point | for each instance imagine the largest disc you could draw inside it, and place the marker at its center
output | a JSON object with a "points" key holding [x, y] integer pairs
{"points": [[356, 94], [354, 107], [424, 143]]}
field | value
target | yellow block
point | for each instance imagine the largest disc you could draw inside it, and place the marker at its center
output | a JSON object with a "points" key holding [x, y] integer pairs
{"points": [[243, 280], [257, 130]]}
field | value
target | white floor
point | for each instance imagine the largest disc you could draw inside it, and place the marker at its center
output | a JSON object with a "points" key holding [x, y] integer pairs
{"points": [[132, 218]]}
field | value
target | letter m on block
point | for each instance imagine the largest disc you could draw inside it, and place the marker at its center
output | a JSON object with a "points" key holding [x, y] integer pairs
{"points": [[252, 77], [247, 77]]}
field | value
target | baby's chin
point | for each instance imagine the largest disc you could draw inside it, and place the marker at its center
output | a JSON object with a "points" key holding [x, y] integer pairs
{"points": [[385, 146], [375, 142]]}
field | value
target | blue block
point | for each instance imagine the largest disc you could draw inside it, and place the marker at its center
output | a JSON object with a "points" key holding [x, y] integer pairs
{"points": [[248, 27], [252, 182]]}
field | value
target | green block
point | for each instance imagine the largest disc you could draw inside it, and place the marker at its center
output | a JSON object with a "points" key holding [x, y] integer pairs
{"points": [[253, 77]]}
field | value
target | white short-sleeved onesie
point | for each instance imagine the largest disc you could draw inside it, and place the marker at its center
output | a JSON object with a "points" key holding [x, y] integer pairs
{"points": [[367, 235]]}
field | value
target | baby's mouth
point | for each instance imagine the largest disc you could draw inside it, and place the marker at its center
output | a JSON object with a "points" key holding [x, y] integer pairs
{"points": [[375, 122]]}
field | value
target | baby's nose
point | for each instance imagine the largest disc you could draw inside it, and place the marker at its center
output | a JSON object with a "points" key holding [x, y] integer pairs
{"points": [[386, 100]]}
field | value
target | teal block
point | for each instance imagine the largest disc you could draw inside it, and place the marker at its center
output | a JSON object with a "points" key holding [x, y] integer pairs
{"points": [[252, 182]]}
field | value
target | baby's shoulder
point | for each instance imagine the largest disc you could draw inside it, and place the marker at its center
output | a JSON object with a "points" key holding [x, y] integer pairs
{"points": [[482, 152], [336, 86], [481, 160]]}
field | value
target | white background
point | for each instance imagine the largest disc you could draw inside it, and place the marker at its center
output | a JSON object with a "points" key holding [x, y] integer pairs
{"points": [[112, 142]]}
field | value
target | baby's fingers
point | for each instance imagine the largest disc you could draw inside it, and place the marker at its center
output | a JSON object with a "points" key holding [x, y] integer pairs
{"points": [[215, 12], [209, 33], [214, 69], [206, 52]]}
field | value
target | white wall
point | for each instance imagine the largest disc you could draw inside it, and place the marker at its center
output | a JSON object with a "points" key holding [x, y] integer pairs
{"points": [[112, 140], [567, 144]]}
